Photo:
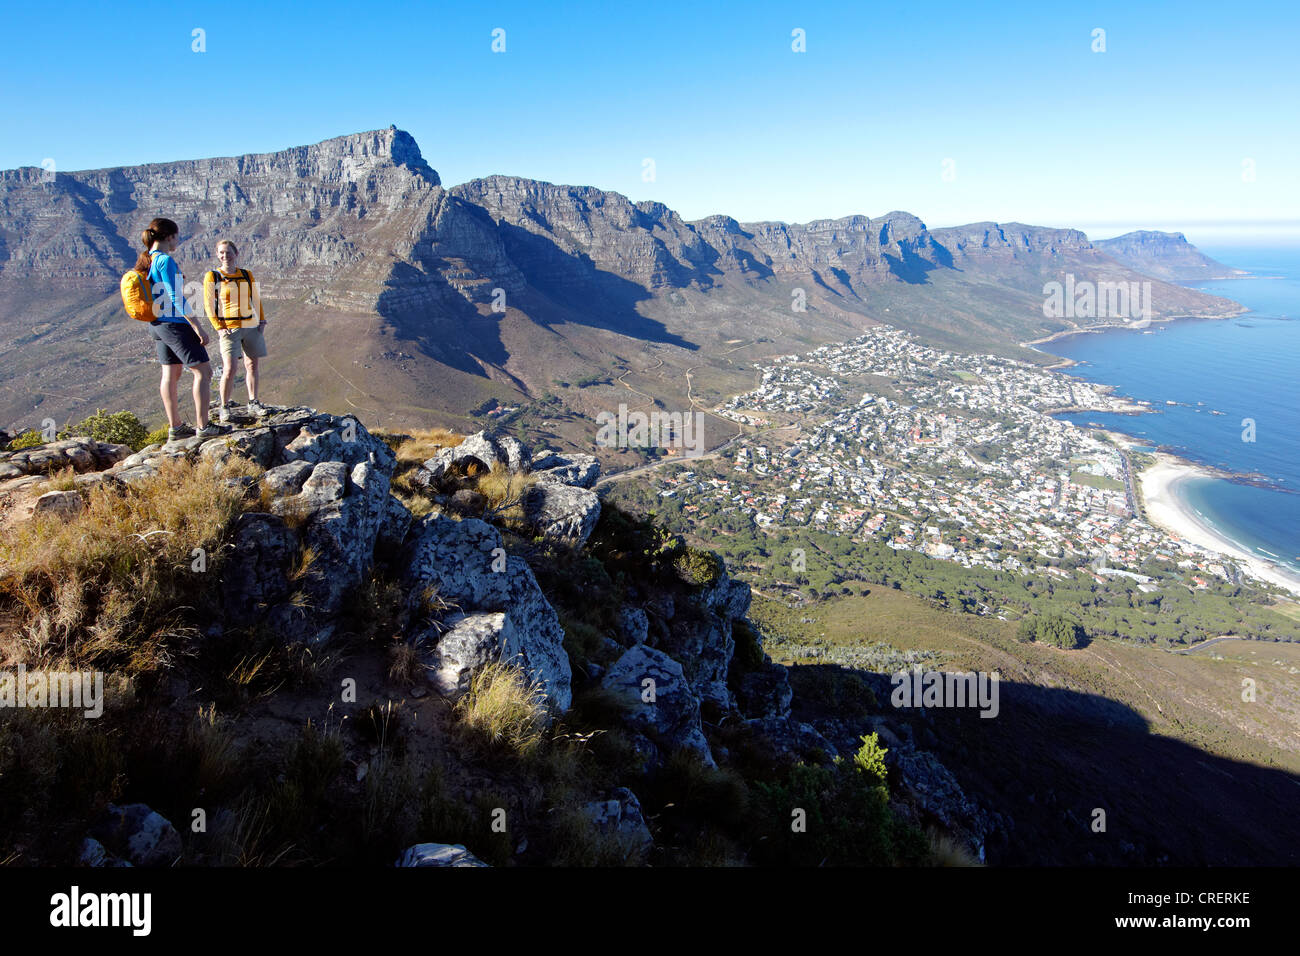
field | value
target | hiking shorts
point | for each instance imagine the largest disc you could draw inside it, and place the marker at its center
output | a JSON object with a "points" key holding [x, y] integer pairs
{"points": [[177, 344], [241, 341]]}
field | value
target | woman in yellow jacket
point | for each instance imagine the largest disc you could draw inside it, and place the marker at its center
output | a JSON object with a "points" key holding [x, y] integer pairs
{"points": [[235, 310]]}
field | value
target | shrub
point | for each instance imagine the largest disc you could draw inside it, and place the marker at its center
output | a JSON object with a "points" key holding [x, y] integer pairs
{"points": [[698, 567], [870, 758], [120, 428], [30, 438]]}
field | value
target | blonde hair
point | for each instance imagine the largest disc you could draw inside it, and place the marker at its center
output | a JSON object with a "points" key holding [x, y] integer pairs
{"points": [[226, 242]]}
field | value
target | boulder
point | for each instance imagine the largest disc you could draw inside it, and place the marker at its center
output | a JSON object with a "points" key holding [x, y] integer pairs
{"points": [[467, 564], [62, 504], [286, 480], [327, 483], [136, 833], [393, 526], [561, 512], [438, 854], [481, 450], [619, 814], [470, 642], [580, 470], [659, 700], [347, 511]]}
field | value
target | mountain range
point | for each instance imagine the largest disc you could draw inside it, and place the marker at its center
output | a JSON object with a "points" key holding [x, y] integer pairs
{"points": [[413, 303]]}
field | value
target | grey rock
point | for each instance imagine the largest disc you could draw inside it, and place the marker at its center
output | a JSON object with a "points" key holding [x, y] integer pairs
{"points": [[327, 483], [580, 470], [765, 693], [457, 558], [393, 526], [285, 480], [138, 834], [438, 854], [561, 512], [256, 575], [619, 813], [471, 642], [139, 472], [342, 532], [672, 717], [62, 504], [256, 444], [702, 643], [482, 450]]}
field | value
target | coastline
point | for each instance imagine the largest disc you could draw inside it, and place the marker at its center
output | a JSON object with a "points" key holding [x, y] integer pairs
{"points": [[1107, 327], [1165, 508]]}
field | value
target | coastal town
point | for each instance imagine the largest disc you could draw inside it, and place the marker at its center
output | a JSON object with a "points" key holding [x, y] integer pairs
{"points": [[955, 456]]}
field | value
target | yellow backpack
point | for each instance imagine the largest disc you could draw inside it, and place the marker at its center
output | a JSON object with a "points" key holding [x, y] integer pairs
{"points": [[137, 296]]}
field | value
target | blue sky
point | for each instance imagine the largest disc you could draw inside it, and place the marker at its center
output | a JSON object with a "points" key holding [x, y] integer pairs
{"points": [[1156, 131]]}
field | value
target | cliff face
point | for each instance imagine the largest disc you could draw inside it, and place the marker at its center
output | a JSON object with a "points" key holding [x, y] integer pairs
{"points": [[399, 297], [328, 221], [1165, 255]]}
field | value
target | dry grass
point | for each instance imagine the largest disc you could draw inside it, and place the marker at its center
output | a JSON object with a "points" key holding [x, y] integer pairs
{"points": [[424, 443], [65, 480], [947, 851], [505, 710], [404, 663], [111, 582], [504, 490]]}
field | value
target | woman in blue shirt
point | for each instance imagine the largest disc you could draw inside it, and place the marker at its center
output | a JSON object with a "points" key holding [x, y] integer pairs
{"points": [[179, 340]]}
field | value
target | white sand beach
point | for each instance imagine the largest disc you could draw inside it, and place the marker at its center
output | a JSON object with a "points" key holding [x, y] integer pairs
{"points": [[1166, 509]]}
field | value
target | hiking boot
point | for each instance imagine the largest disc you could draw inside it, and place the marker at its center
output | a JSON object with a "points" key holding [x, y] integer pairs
{"points": [[212, 430], [179, 432], [257, 408], [223, 414]]}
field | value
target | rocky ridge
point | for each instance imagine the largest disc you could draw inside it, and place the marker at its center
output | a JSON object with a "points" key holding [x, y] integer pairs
{"points": [[672, 658]]}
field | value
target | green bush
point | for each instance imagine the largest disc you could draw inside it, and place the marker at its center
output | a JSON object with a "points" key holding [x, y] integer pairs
{"points": [[698, 567], [870, 758], [119, 428], [834, 815], [27, 439]]}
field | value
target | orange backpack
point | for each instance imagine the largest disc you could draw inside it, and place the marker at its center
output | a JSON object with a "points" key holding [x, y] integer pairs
{"points": [[137, 296]]}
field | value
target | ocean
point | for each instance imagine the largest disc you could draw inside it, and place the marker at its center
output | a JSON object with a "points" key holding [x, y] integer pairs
{"points": [[1247, 367]]}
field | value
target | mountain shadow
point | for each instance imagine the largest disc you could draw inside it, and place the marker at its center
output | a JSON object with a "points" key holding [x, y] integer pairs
{"points": [[1052, 758]]}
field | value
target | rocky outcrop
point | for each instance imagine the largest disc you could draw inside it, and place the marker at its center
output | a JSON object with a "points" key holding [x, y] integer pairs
{"points": [[467, 566], [659, 701], [580, 470], [81, 454]]}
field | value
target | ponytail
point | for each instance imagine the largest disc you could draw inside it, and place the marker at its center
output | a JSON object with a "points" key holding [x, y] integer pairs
{"points": [[156, 231]]}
